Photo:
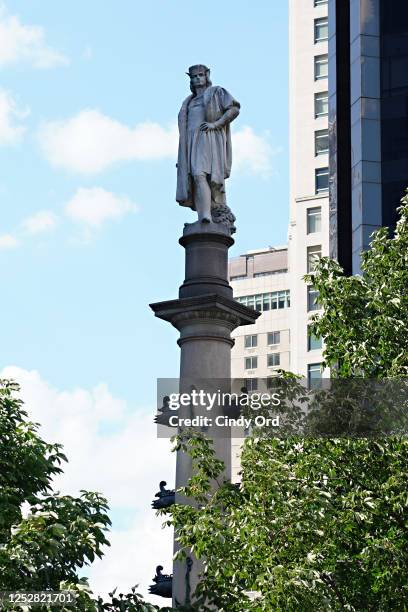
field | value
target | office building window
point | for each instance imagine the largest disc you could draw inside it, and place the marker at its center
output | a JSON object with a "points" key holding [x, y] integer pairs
{"points": [[314, 375], [266, 301], [274, 337], [237, 278], [322, 180], [281, 299], [273, 359], [313, 342], [321, 104], [270, 273], [251, 341], [320, 67], [313, 255], [251, 363], [319, 2], [321, 142], [312, 298], [273, 381], [321, 29], [314, 220], [251, 384]]}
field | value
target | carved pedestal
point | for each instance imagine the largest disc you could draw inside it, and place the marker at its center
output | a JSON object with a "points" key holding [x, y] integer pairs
{"points": [[205, 314]]}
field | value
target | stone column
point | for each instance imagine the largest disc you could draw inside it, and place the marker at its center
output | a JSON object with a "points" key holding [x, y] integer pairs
{"points": [[205, 314]]}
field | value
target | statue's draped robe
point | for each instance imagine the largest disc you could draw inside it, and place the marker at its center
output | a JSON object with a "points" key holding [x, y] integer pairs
{"points": [[216, 145]]}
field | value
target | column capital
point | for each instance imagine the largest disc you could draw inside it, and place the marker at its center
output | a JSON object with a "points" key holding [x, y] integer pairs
{"points": [[212, 307]]}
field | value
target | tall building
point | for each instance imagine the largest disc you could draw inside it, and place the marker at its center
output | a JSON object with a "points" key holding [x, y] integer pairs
{"points": [[348, 97], [308, 235], [348, 137], [368, 111], [260, 280]]}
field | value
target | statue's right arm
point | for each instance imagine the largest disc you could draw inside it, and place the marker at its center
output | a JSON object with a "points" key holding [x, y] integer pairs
{"points": [[229, 115]]}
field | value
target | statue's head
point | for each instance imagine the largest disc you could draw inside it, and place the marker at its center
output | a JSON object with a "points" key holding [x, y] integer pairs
{"points": [[199, 76]]}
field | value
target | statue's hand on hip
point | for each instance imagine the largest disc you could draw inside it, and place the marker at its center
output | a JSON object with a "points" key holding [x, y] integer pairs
{"points": [[206, 127]]}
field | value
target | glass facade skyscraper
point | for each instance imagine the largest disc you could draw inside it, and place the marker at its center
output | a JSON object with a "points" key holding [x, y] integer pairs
{"points": [[368, 121], [394, 104]]}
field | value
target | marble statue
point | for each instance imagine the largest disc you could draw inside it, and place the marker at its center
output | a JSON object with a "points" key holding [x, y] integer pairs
{"points": [[204, 156]]}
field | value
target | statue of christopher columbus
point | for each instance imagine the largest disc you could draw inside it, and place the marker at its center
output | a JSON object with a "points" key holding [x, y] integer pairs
{"points": [[204, 157]]}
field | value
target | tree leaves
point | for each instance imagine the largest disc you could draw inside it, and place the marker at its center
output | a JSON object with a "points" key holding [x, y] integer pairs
{"points": [[316, 523], [365, 318], [60, 533], [321, 526]]}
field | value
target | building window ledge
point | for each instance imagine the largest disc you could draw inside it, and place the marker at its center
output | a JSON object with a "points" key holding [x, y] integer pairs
{"points": [[316, 196]]}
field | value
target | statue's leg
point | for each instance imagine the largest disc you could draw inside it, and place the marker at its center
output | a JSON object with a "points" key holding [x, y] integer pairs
{"points": [[202, 198]]}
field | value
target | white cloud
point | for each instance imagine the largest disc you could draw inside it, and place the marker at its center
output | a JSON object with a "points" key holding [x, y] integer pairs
{"points": [[251, 153], [41, 221], [114, 450], [10, 131], [7, 241], [89, 207], [140, 548], [25, 43], [93, 206], [90, 142]]}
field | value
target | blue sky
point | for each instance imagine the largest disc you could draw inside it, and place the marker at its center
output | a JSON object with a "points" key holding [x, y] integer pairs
{"points": [[89, 226]]}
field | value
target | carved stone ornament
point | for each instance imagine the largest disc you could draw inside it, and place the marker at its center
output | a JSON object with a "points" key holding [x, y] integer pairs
{"points": [[163, 586], [166, 497], [164, 413]]}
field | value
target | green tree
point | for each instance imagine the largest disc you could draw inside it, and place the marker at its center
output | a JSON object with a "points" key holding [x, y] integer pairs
{"points": [[59, 534], [364, 321], [316, 523]]}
